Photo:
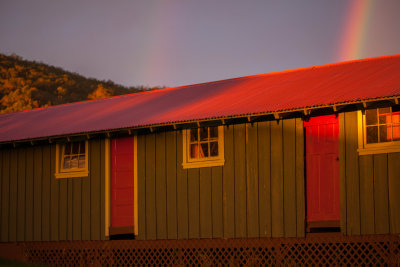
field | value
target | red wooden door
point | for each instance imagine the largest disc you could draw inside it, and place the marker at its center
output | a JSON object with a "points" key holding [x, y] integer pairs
{"points": [[322, 159], [122, 186]]}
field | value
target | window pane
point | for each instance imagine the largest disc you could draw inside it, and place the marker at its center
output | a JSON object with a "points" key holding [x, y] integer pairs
{"points": [[193, 135], [396, 132], [396, 117], [75, 148], [213, 132], [385, 111], [371, 117], [66, 163], [81, 163], [82, 148], [203, 134], [385, 134], [372, 134], [214, 149], [67, 150], [384, 118], [74, 162], [203, 150], [194, 153]]}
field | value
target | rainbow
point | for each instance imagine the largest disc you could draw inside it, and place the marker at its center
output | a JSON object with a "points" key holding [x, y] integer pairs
{"points": [[355, 29], [156, 59]]}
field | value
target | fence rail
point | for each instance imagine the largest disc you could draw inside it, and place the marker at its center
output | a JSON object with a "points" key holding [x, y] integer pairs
{"points": [[325, 250]]}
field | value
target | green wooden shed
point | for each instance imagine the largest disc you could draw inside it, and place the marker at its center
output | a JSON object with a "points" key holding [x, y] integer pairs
{"points": [[283, 154]]}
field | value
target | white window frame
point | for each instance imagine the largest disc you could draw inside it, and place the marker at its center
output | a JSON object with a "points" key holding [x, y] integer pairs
{"points": [[74, 172], [203, 162], [376, 148]]}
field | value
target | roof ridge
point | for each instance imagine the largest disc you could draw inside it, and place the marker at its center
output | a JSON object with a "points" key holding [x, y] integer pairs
{"points": [[354, 61], [334, 64]]}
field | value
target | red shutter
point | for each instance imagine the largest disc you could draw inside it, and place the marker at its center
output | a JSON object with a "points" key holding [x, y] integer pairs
{"points": [[122, 187], [322, 157]]}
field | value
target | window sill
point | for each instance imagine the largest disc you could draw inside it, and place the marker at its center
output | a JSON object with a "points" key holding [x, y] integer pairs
{"points": [[72, 174], [379, 149], [206, 163]]}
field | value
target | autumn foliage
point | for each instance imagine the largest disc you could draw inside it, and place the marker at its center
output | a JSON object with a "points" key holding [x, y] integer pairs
{"points": [[28, 84]]}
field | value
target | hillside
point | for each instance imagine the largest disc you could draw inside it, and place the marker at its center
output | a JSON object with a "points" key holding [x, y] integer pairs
{"points": [[29, 84]]}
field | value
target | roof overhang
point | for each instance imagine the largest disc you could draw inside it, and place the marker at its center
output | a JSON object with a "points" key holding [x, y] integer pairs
{"points": [[305, 113]]}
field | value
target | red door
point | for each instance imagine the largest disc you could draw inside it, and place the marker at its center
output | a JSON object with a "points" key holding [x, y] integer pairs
{"points": [[122, 186], [322, 159]]}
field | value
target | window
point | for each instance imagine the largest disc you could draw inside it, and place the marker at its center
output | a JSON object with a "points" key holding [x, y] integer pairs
{"points": [[203, 147], [379, 130], [72, 159]]}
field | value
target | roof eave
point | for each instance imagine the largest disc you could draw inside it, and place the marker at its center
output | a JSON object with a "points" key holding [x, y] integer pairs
{"points": [[251, 117]]}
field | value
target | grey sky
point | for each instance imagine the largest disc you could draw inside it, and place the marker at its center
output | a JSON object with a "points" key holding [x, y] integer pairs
{"points": [[179, 42]]}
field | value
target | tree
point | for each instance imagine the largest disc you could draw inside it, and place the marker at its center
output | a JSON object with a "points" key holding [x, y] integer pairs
{"points": [[100, 92], [18, 99]]}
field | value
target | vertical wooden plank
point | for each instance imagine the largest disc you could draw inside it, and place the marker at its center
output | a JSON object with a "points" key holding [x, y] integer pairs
{"points": [[85, 197], [135, 184], [151, 212], [217, 202], [381, 194], [300, 179], [352, 175], [77, 208], [37, 194], [264, 160], [289, 174], [106, 191], [1, 186], [2, 151], [95, 165], [182, 190], [394, 192], [240, 180], [29, 199], [141, 172], [46, 193], [161, 187], [70, 226], [21, 195], [171, 163], [342, 173], [103, 189], [5, 194], [194, 203], [13, 195], [367, 195], [54, 197], [277, 179], [229, 184], [205, 203], [63, 209], [252, 180]]}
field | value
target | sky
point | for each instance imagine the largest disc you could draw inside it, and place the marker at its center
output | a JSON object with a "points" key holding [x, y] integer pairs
{"points": [[181, 42]]}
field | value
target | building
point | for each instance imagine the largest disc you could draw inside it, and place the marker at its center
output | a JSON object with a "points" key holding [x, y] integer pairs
{"points": [[280, 154]]}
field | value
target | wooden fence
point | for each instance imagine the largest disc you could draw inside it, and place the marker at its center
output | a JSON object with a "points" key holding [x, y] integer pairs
{"points": [[325, 250]]}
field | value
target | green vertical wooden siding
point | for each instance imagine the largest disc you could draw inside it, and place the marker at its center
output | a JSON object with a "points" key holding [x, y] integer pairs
{"points": [[5, 195], [228, 185], [369, 185], [171, 178], [259, 192], [161, 187], [141, 171], [35, 206]]}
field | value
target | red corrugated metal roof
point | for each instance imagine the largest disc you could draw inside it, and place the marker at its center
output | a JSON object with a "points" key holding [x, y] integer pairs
{"points": [[278, 91]]}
